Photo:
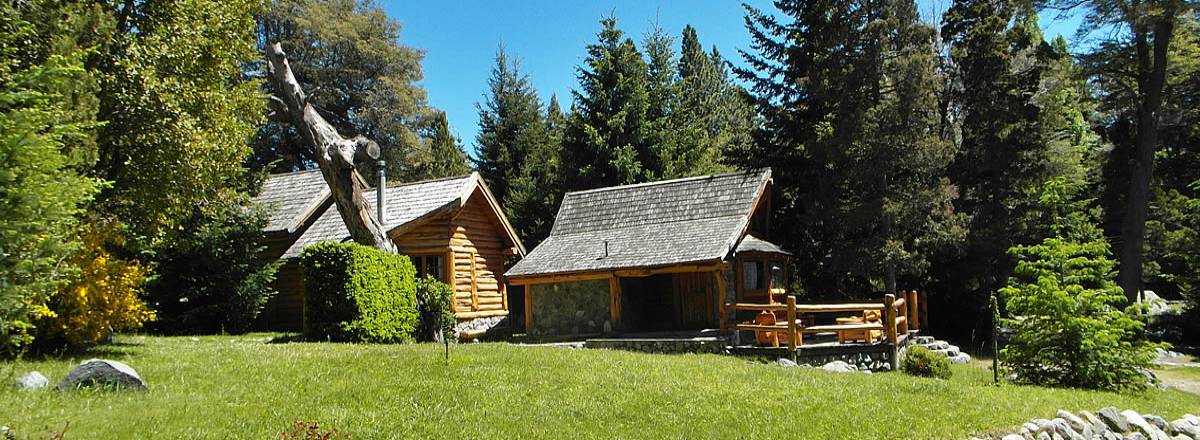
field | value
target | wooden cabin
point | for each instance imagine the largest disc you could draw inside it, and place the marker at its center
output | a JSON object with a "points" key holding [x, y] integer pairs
{"points": [[451, 228], [658, 256]]}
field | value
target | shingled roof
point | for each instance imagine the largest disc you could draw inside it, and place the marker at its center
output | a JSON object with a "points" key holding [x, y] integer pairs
{"points": [[680, 221], [405, 203], [291, 198]]}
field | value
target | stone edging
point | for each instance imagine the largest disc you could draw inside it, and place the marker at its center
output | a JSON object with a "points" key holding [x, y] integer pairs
{"points": [[1106, 424]]}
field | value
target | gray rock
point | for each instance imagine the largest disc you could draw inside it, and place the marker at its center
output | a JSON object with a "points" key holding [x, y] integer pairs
{"points": [[785, 362], [32, 380], [1182, 426], [839, 367], [1077, 424], [1043, 436], [1160, 423], [1135, 436], [961, 359], [1138, 422], [104, 373], [1012, 437], [1109, 435], [1113, 419], [1098, 426]]}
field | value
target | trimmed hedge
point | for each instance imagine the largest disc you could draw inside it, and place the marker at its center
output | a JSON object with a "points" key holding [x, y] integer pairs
{"points": [[920, 361], [357, 293]]}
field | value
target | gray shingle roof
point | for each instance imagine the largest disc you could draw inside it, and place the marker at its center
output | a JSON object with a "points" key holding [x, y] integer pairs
{"points": [[405, 203], [751, 243], [679, 221], [291, 198]]}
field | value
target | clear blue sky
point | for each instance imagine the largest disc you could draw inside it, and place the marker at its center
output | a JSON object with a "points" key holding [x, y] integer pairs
{"points": [[460, 38]]}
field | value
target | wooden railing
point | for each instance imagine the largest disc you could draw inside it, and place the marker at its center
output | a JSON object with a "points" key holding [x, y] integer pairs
{"points": [[898, 316]]}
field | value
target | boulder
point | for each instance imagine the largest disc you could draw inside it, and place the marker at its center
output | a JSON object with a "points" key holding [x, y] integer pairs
{"points": [[1012, 437], [1138, 422], [32, 381], [785, 362], [1077, 424], [961, 359], [1113, 419], [103, 372], [839, 367]]}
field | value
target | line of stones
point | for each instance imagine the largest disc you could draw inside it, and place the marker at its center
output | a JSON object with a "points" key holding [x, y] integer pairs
{"points": [[1107, 424]]}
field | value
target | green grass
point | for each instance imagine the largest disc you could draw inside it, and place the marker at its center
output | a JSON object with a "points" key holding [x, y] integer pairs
{"points": [[242, 387]]}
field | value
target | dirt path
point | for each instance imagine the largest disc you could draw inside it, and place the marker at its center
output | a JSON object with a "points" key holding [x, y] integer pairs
{"points": [[1180, 373]]}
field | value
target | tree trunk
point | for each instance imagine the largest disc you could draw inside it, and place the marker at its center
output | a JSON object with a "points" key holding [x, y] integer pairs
{"points": [[336, 156], [1151, 77]]}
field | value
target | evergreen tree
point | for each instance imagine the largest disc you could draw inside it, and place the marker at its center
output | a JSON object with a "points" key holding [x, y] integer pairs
{"points": [[510, 126], [850, 110], [445, 155], [662, 86], [605, 142], [711, 115]]}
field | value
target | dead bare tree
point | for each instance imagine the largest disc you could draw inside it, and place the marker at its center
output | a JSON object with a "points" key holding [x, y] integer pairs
{"points": [[336, 156]]}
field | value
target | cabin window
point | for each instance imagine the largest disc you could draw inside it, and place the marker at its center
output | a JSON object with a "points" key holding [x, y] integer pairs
{"points": [[777, 281], [752, 276], [431, 265]]}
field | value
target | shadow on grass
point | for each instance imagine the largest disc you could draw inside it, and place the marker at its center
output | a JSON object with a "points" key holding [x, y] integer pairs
{"points": [[288, 338], [110, 350]]}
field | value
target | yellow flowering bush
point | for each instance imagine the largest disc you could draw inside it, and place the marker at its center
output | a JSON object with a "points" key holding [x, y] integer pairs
{"points": [[103, 297]]}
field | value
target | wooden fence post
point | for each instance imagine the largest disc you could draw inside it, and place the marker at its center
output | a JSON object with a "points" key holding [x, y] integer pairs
{"points": [[791, 324], [889, 326], [913, 312], [924, 310]]}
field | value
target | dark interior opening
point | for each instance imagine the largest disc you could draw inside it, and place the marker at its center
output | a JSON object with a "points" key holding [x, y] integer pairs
{"points": [[647, 304]]}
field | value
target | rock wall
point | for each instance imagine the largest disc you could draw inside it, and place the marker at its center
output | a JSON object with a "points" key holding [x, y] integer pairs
{"points": [[570, 308], [1107, 424], [488, 325], [864, 360]]}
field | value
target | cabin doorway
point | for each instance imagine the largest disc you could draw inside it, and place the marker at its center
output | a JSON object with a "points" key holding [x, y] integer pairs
{"points": [[682, 301]]}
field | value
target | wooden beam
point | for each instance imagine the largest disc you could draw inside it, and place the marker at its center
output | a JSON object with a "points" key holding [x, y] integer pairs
{"points": [[449, 262], [889, 318], [913, 321], [480, 314], [614, 297], [791, 323], [528, 309], [719, 276], [636, 273], [586, 276]]}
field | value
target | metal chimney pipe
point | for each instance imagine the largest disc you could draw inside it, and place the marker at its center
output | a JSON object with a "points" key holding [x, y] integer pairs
{"points": [[380, 200]]}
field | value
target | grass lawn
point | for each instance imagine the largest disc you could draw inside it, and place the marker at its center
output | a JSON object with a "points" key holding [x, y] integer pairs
{"points": [[243, 387]]}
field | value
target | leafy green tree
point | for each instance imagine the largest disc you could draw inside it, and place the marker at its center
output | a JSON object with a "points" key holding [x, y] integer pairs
{"points": [[216, 279], [41, 192], [176, 112], [347, 55], [605, 142], [849, 104]]}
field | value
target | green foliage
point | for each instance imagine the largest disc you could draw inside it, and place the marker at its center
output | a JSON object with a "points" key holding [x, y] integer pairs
{"points": [[444, 156], [346, 54], [921, 361], [41, 193], [1067, 327], [434, 301], [357, 293], [850, 110], [177, 111], [215, 279]]}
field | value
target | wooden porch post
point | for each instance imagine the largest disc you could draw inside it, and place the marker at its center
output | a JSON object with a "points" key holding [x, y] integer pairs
{"points": [[529, 309], [791, 324], [719, 277], [614, 300]]}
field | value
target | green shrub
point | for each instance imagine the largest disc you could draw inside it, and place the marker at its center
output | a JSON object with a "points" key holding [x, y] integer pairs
{"points": [[1067, 328], [433, 301], [921, 361], [357, 293]]}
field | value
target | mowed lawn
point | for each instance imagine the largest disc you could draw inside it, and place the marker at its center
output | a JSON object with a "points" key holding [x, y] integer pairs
{"points": [[244, 387]]}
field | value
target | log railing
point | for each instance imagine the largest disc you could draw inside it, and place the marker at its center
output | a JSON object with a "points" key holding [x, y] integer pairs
{"points": [[899, 316]]}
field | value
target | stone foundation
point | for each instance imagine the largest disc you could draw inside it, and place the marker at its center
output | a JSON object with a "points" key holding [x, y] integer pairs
{"points": [[486, 326], [570, 308]]}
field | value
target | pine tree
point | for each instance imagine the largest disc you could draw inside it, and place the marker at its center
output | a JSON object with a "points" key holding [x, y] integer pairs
{"points": [[536, 193], [710, 117], [662, 86], [605, 142], [849, 104], [510, 126], [445, 155]]}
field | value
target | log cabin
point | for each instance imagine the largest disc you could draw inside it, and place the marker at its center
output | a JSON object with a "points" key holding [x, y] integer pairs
{"points": [[660, 256], [451, 228]]}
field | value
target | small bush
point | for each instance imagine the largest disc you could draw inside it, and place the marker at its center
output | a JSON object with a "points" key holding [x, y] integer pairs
{"points": [[921, 361], [433, 301], [357, 293], [104, 297], [1067, 327]]}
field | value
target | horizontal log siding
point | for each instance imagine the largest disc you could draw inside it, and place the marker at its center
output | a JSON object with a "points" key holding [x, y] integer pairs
{"points": [[474, 233]]}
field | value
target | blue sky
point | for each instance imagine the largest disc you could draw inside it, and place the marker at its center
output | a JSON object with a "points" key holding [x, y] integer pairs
{"points": [[460, 38]]}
